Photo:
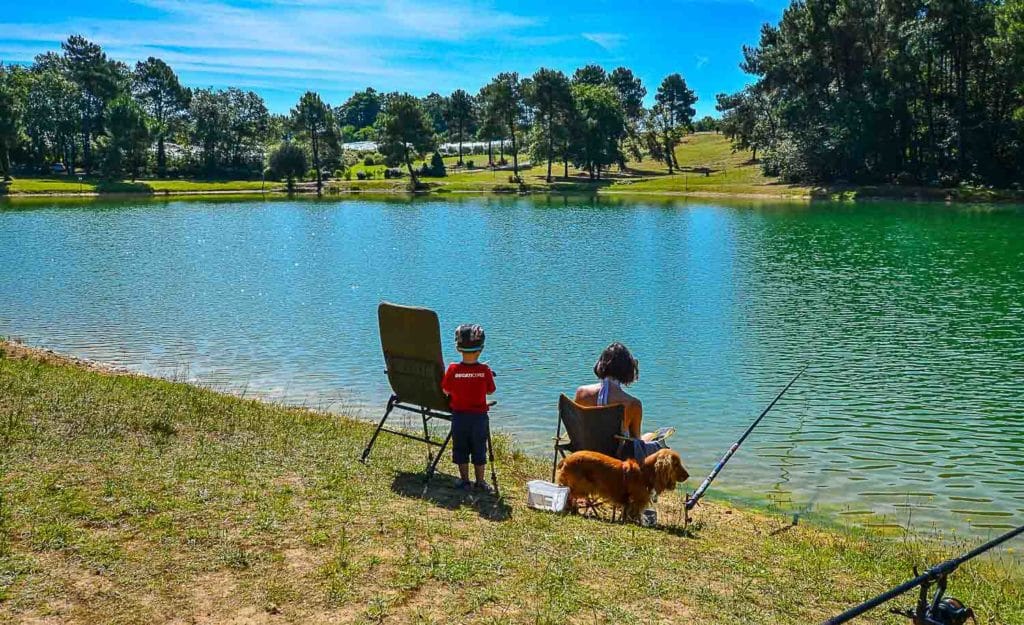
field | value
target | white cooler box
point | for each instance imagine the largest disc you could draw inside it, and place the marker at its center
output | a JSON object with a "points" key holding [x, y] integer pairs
{"points": [[542, 495]]}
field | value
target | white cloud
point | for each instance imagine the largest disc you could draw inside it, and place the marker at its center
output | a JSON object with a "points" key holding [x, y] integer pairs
{"points": [[282, 42], [608, 41]]}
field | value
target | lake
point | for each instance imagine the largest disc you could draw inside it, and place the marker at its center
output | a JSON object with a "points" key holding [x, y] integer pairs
{"points": [[910, 315]]}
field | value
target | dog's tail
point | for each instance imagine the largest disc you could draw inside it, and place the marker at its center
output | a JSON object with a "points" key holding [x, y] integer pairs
{"points": [[631, 470], [635, 488], [558, 472]]}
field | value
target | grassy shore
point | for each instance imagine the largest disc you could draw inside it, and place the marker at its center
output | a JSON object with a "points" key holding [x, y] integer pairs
{"points": [[709, 168], [57, 185], [133, 500]]}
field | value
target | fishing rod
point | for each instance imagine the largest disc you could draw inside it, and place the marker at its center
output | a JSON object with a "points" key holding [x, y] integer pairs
{"points": [[697, 494], [939, 610]]}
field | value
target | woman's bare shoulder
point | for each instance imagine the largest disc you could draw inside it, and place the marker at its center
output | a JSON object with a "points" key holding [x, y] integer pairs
{"points": [[585, 394], [632, 401]]}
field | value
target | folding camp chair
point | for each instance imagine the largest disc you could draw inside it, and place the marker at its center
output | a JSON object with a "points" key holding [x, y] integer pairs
{"points": [[411, 340], [589, 428]]}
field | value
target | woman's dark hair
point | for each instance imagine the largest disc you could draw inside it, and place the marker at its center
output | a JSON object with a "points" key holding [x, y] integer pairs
{"points": [[617, 363]]}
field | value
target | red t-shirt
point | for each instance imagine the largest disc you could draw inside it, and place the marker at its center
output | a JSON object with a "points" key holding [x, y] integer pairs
{"points": [[468, 385]]}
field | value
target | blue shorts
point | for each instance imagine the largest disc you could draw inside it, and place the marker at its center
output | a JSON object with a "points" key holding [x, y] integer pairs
{"points": [[470, 431]]}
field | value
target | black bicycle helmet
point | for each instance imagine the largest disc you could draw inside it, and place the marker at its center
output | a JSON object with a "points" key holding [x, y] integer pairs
{"points": [[469, 337]]}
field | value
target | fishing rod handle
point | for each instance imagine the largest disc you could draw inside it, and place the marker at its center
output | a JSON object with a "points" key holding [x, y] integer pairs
{"points": [[871, 604], [697, 494], [931, 575]]}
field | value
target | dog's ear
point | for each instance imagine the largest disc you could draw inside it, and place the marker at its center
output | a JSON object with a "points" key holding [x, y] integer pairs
{"points": [[681, 474], [664, 471]]}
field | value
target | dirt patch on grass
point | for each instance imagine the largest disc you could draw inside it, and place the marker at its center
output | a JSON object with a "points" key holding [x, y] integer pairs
{"points": [[216, 600]]}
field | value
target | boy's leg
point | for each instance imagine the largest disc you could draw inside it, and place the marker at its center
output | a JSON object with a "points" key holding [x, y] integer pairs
{"points": [[461, 447], [480, 432]]}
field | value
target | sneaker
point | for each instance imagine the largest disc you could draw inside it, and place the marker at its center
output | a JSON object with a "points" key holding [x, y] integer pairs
{"points": [[463, 485], [485, 487]]}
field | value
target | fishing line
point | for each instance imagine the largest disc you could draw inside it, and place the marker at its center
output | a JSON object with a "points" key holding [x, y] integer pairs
{"points": [[699, 493]]}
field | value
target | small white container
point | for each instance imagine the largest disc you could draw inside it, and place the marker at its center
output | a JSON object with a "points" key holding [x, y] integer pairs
{"points": [[541, 495]]}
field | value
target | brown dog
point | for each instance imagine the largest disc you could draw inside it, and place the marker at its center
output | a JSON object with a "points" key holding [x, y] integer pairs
{"points": [[626, 484]]}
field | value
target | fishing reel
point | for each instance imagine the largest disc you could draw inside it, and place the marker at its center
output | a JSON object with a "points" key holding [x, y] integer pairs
{"points": [[939, 610]]}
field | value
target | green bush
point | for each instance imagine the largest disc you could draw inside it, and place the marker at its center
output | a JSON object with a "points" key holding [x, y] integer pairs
{"points": [[288, 161], [437, 167]]}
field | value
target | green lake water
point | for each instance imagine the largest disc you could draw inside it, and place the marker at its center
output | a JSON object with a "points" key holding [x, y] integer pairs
{"points": [[910, 315]]}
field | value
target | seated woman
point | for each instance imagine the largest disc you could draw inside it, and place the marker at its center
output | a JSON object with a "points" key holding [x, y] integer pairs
{"points": [[616, 367]]}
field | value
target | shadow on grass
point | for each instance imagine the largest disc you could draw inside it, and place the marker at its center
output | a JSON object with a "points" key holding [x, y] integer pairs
{"points": [[441, 492], [602, 513]]}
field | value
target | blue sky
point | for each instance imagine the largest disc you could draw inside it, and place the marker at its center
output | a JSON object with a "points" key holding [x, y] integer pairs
{"points": [[280, 48]]}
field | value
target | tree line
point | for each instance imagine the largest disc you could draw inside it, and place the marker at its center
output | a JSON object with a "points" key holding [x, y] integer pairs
{"points": [[903, 91], [86, 112], [78, 110]]}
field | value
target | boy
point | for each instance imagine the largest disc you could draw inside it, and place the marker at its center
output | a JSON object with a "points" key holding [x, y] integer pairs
{"points": [[468, 383]]}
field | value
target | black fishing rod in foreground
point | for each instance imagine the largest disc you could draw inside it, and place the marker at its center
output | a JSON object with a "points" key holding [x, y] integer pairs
{"points": [[939, 610], [692, 500]]}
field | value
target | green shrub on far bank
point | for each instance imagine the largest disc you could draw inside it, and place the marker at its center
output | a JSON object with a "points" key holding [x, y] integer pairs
{"points": [[289, 161], [436, 168]]}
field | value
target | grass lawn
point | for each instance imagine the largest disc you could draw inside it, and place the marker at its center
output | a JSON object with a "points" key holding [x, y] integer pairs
{"points": [[62, 184], [132, 500], [211, 185], [730, 173]]}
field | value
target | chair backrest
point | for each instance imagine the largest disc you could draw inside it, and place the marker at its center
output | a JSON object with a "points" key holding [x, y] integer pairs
{"points": [[411, 340], [592, 428]]}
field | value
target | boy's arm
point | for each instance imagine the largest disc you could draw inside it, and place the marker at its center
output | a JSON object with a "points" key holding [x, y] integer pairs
{"points": [[490, 381], [446, 381]]}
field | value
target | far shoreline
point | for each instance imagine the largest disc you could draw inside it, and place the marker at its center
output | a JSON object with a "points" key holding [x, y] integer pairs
{"points": [[809, 196], [713, 169]]}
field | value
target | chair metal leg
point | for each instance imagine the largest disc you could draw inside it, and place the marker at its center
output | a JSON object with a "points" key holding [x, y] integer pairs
{"points": [[373, 439], [554, 460], [440, 452], [426, 437], [494, 474]]}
